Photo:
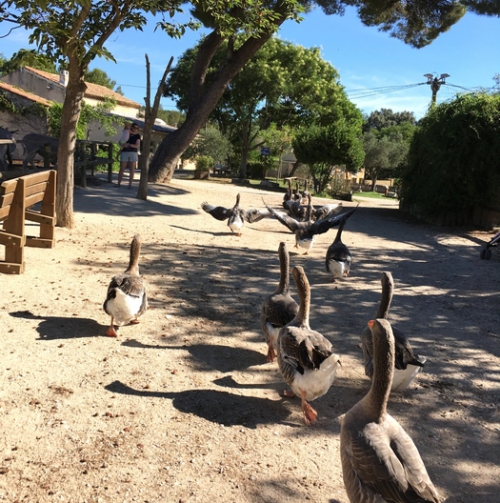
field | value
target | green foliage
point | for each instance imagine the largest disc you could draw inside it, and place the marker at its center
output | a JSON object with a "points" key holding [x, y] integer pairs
{"points": [[26, 57], [454, 156], [385, 117], [210, 143], [282, 86], [386, 150], [100, 77], [323, 148], [88, 116], [204, 163]]}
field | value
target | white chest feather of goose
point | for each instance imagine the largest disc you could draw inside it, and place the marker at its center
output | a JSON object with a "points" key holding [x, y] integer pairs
{"points": [[380, 462], [235, 216], [280, 308], [305, 357], [126, 297], [407, 363]]}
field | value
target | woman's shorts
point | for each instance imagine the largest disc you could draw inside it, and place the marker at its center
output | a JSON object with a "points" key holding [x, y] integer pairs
{"points": [[129, 157]]}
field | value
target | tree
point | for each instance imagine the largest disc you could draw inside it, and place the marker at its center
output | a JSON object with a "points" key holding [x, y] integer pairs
{"points": [[256, 21], [100, 77], [211, 143], [386, 151], [323, 148], [73, 33], [385, 117], [453, 159], [282, 84], [150, 113], [417, 23], [26, 57]]}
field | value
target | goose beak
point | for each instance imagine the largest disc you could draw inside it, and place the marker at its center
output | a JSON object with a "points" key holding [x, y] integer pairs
{"points": [[371, 323]]}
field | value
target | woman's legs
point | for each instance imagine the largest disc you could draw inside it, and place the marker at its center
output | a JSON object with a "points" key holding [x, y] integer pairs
{"points": [[123, 166], [131, 167]]}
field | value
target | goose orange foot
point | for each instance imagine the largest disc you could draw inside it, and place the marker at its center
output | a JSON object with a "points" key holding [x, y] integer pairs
{"points": [[111, 332], [271, 354], [135, 321], [310, 414]]}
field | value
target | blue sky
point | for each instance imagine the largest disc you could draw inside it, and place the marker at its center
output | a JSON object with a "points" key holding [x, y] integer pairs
{"points": [[365, 58]]}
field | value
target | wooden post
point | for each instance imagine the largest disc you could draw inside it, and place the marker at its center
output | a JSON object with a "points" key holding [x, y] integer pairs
{"points": [[93, 156], [110, 162], [46, 156]]}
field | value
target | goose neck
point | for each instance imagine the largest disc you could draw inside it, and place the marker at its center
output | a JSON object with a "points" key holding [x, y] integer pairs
{"points": [[386, 297], [135, 250]]}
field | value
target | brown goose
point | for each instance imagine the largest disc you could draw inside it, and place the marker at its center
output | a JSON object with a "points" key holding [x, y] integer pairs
{"points": [[380, 462], [126, 298], [235, 216], [338, 257], [305, 357], [407, 363], [279, 308]]}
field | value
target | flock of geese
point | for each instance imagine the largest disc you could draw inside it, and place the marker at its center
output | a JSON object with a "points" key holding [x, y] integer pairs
{"points": [[380, 462]]}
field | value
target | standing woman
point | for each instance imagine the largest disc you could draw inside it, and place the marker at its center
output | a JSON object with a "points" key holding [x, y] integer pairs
{"points": [[129, 155]]}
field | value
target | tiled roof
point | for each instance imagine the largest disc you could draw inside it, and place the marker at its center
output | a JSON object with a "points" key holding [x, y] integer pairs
{"points": [[93, 90], [25, 94]]}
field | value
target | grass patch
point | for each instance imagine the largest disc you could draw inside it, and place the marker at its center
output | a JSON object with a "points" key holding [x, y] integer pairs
{"points": [[375, 195]]}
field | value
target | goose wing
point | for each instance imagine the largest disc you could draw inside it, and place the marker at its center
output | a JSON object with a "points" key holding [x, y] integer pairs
{"points": [[218, 212], [287, 221], [254, 215], [304, 349], [383, 460], [323, 225], [327, 211], [404, 352]]}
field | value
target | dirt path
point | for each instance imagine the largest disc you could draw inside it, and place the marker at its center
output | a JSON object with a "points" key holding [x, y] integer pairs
{"points": [[183, 407]]}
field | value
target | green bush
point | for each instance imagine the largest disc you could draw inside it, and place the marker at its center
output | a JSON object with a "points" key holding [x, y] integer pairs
{"points": [[204, 163], [454, 157]]}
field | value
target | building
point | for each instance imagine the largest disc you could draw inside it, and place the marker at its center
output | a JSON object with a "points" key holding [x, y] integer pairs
{"points": [[42, 88]]}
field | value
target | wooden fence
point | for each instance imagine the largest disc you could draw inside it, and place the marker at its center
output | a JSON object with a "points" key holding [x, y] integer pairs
{"points": [[86, 159]]}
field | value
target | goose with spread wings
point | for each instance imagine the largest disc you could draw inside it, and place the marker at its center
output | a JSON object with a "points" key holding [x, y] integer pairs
{"points": [[306, 231], [235, 216]]}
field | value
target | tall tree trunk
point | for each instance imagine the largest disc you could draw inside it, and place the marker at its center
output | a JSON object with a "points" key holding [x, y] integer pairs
{"points": [[149, 120], [66, 153], [203, 98], [245, 148]]}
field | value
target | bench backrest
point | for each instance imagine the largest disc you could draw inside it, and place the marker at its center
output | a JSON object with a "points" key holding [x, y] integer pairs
{"points": [[7, 190]]}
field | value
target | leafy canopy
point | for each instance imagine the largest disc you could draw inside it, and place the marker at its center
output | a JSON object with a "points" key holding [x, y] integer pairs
{"points": [[454, 156]]}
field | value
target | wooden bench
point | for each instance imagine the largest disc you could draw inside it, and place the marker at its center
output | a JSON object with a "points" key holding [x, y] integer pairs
{"points": [[17, 197]]}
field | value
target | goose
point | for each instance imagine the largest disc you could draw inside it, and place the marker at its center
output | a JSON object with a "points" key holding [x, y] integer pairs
{"points": [[290, 205], [407, 363], [288, 193], [380, 462], [279, 308], [296, 193], [306, 231], [126, 298], [338, 257], [305, 357], [236, 216]]}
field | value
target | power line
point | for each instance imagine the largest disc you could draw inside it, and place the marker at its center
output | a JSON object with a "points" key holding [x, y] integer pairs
{"points": [[364, 93]]}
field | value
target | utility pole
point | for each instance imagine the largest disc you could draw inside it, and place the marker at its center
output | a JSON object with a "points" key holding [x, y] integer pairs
{"points": [[435, 83]]}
